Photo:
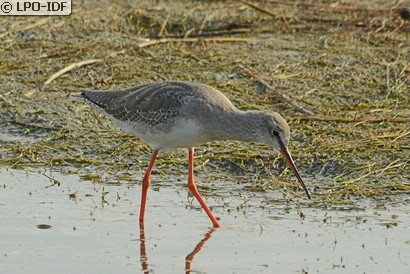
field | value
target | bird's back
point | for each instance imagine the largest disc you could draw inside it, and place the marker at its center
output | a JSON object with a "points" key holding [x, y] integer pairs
{"points": [[158, 109], [154, 103]]}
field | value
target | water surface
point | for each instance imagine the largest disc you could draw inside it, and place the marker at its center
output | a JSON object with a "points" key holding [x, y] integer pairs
{"points": [[82, 227]]}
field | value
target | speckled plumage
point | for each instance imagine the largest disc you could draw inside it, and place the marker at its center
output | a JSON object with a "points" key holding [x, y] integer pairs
{"points": [[176, 114], [158, 113]]}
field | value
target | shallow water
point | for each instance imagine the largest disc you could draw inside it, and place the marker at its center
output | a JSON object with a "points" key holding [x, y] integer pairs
{"points": [[96, 232]]}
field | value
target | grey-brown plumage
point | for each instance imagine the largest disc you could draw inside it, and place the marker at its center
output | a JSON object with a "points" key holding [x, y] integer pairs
{"points": [[153, 104], [177, 114]]}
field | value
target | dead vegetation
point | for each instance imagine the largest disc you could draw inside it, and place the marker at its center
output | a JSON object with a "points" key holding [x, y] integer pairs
{"points": [[339, 74]]}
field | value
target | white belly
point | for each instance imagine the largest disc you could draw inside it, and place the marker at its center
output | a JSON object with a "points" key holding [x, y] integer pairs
{"points": [[184, 133]]}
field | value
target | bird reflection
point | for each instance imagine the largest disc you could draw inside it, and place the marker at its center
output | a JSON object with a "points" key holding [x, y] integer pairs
{"points": [[143, 250], [188, 259]]}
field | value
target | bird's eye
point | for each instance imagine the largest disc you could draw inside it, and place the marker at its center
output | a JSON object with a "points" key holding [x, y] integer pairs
{"points": [[275, 133]]}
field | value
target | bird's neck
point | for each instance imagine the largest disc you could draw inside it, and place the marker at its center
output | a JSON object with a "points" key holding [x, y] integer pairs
{"points": [[240, 126]]}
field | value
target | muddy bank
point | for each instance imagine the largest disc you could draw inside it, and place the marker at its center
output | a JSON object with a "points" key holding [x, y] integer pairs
{"points": [[347, 64]]}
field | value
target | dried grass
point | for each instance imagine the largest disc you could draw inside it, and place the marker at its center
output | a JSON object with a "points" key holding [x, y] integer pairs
{"points": [[346, 64]]}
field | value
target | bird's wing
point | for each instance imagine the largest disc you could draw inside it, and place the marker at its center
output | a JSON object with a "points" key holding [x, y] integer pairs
{"points": [[103, 98], [153, 103]]}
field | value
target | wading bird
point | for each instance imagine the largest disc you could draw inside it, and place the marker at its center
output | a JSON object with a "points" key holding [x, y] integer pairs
{"points": [[175, 114]]}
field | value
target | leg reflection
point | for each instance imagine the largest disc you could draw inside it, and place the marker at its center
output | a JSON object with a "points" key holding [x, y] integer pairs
{"points": [[143, 251], [190, 257]]}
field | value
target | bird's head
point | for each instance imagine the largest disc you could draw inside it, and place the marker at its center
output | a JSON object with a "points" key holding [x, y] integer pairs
{"points": [[277, 134]]}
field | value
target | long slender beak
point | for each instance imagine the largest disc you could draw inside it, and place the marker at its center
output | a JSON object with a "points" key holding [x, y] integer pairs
{"points": [[286, 154]]}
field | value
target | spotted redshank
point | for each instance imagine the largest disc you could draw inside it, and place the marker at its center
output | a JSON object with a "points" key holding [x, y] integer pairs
{"points": [[175, 114]]}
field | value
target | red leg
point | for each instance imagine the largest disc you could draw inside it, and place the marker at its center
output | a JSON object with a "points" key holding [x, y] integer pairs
{"points": [[192, 187], [145, 185]]}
